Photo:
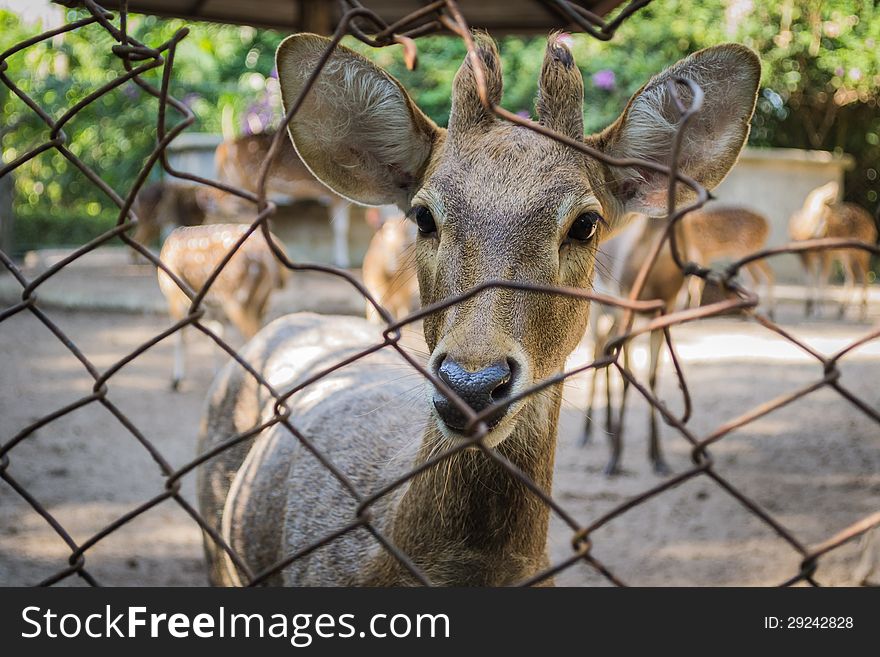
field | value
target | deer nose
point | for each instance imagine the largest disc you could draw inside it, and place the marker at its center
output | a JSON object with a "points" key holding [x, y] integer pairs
{"points": [[477, 389]]}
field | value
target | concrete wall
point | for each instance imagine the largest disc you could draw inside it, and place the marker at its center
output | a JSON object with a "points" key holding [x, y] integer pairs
{"points": [[193, 152], [775, 182]]}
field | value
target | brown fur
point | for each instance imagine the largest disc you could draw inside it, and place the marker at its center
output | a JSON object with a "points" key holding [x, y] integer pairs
{"points": [[621, 261], [167, 205], [717, 233], [503, 198], [703, 236], [240, 294], [389, 269], [239, 162], [821, 216]]}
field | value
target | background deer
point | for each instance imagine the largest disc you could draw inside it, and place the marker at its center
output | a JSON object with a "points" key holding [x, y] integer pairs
{"points": [[705, 236], [618, 264], [163, 206], [822, 215], [389, 268], [241, 292], [719, 232], [491, 201], [239, 161]]}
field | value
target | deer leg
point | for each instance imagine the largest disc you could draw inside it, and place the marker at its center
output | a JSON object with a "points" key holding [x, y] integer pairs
{"points": [[615, 434], [862, 261], [694, 291], [601, 332], [762, 274], [339, 219], [609, 403], [869, 547], [824, 270], [770, 280], [807, 263], [655, 455], [179, 359], [848, 284], [591, 395], [219, 329], [587, 434]]}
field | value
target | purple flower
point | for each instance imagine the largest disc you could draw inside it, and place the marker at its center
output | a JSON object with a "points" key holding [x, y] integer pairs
{"points": [[604, 80], [524, 114], [191, 98], [258, 117]]}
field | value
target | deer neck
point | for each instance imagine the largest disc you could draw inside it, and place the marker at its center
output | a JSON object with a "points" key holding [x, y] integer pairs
{"points": [[467, 521]]}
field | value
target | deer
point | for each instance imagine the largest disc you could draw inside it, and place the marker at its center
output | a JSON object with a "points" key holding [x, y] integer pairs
{"points": [[704, 235], [494, 203], [822, 215], [389, 269], [239, 160], [619, 261], [239, 295], [727, 232], [163, 206]]}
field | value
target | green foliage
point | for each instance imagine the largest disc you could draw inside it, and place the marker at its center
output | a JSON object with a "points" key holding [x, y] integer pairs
{"points": [[219, 71], [820, 89], [821, 83]]}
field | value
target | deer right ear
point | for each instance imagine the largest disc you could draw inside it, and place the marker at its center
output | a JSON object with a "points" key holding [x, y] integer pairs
{"points": [[357, 129], [728, 75]]}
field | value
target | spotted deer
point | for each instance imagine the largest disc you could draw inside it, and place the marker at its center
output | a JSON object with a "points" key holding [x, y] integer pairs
{"points": [[240, 294], [239, 161], [822, 215], [163, 206], [492, 201], [389, 268]]}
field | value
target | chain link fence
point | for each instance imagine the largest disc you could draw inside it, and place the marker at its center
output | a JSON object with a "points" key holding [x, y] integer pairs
{"points": [[362, 23]]}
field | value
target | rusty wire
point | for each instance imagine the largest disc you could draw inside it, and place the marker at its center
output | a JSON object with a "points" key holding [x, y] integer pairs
{"points": [[362, 23]]}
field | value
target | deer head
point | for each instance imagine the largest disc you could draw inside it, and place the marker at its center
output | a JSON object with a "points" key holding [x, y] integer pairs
{"points": [[811, 220], [493, 200]]}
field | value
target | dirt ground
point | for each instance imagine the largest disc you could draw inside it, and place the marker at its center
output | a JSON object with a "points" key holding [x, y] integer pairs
{"points": [[814, 465]]}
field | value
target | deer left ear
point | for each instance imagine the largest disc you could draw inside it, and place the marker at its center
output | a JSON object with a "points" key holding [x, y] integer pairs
{"points": [[357, 129], [728, 75]]}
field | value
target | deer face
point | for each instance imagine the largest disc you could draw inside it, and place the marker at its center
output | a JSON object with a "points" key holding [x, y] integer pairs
{"points": [[495, 201]]}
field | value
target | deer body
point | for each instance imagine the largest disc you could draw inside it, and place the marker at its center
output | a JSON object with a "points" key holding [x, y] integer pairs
{"points": [[239, 161], [823, 216], [726, 232], [622, 258], [163, 206], [492, 201], [706, 235], [241, 292], [389, 268], [371, 447]]}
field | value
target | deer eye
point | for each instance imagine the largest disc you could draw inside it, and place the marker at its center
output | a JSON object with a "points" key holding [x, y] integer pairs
{"points": [[424, 220], [584, 227]]}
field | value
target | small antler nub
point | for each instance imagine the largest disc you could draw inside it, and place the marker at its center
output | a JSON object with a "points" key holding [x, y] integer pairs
{"points": [[468, 110], [560, 102]]}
